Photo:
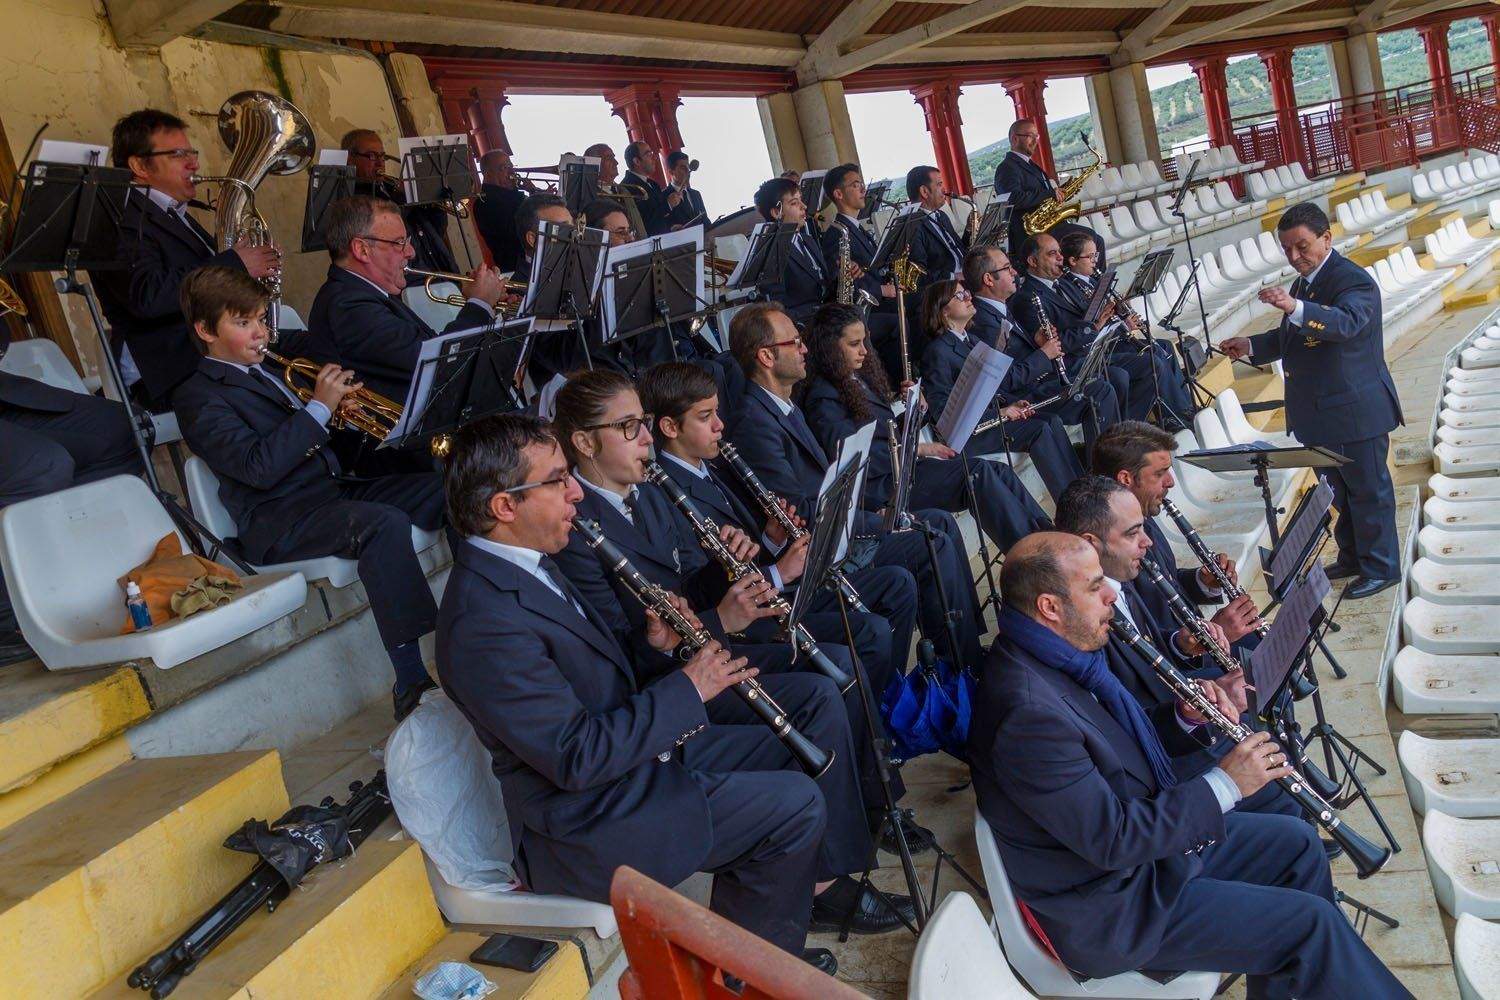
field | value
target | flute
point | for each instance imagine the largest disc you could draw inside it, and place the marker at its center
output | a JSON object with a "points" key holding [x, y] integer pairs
{"points": [[1232, 591], [772, 509], [653, 598], [707, 533]]}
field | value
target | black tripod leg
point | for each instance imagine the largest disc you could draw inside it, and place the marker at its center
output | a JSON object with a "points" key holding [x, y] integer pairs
{"points": [[1363, 912]]}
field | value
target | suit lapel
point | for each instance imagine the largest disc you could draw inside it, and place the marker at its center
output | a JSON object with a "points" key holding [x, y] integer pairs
{"points": [[174, 227], [1087, 708], [231, 375], [797, 429], [625, 534]]}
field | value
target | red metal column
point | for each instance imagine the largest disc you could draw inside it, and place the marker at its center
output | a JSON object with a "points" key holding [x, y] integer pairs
{"points": [[1026, 94], [1435, 41], [483, 113], [650, 115], [1214, 85], [939, 101], [1278, 63]]}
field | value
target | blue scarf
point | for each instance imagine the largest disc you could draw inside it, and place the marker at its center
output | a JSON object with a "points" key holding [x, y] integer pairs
{"points": [[1091, 672]]}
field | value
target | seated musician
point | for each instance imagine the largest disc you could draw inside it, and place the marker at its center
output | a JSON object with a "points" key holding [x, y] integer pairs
{"points": [[1033, 376], [688, 210], [159, 244], [844, 185], [936, 246], [1138, 456], [1155, 378], [1029, 186], [1039, 303], [656, 208], [426, 224], [358, 319], [609, 165], [773, 436], [598, 768], [605, 434], [556, 350], [846, 389], [947, 311], [495, 210], [1122, 865], [807, 280], [283, 485]]}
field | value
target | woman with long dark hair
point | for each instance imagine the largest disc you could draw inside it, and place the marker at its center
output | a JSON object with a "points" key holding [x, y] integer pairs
{"points": [[947, 308], [846, 388]]}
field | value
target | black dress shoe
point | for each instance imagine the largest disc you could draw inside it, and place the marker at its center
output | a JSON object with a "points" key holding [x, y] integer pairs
{"points": [[821, 959], [1339, 571], [411, 697], [919, 839], [833, 905], [1362, 587]]}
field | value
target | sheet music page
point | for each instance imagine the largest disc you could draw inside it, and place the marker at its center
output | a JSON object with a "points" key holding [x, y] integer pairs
{"points": [[854, 448], [406, 145], [83, 154], [758, 233], [973, 392], [693, 236]]}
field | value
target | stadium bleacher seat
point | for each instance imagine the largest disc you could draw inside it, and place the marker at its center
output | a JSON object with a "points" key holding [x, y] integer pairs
{"points": [[1450, 629], [1463, 859], [1476, 958], [1458, 777], [1442, 546], [1461, 490], [1454, 244], [63, 554], [41, 359], [1429, 683], [957, 957]]}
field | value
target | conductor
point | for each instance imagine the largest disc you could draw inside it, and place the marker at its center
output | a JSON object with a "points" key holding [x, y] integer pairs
{"points": [[1339, 393]]}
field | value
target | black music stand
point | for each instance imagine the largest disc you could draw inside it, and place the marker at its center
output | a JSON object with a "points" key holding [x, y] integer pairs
{"points": [[875, 199], [326, 184], [69, 219], [811, 187], [653, 291], [441, 173], [567, 267], [896, 238], [578, 182], [766, 256], [1249, 458], [1187, 234], [994, 224], [472, 374]]}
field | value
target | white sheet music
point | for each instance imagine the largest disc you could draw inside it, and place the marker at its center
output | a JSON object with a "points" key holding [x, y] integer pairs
{"points": [[420, 392], [83, 154], [854, 448], [693, 236], [973, 392]]}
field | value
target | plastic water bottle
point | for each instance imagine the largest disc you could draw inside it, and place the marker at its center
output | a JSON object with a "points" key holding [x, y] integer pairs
{"points": [[135, 602]]}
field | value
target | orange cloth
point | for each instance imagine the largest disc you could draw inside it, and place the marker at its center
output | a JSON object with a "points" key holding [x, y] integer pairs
{"points": [[169, 572]]}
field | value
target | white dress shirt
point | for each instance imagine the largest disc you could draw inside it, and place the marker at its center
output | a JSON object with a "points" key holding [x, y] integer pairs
{"points": [[527, 560], [784, 405], [1295, 316], [610, 496], [314, 407], [171, 205]]}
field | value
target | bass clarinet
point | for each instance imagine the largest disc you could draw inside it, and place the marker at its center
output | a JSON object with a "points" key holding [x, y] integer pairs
{"points": [[1232, 591], [653, 598], [768, 504], [1367, 858], [707, 533]]}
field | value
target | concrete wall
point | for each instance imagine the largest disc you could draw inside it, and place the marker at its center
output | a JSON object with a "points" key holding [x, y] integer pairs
{"points": [[59, 64]]}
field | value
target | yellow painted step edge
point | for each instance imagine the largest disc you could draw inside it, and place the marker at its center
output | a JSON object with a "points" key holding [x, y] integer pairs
{"points": [[32, 743]]}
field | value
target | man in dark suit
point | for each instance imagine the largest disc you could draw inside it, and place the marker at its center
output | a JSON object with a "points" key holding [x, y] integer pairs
{"points": [[495, 210], [1122, 865], [282, 483], [936, 245], [53, 439], [426, 224], [358, 319], [773, 436], [1339, 391], [598, 768], [807, 279], [658, 205], [844, 186], [689, 209], [159, 244], [1028, 185], [1033, 375]]}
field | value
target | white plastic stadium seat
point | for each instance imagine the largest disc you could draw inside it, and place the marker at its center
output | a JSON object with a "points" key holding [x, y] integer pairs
{"points": [[1457, 777], [1463, 859], [1043, 973], [1476, 958], [1455, 583], [1460, 516], [1459, 490], [1428, 684], [1455, 461], [1451, 629], [44, 361], [957, 957], [1439, 545], [63, 553], [435, 314]]}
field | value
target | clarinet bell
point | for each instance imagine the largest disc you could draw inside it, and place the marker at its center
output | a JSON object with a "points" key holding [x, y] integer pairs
{"points": [[814, 760], [1366, 857]]}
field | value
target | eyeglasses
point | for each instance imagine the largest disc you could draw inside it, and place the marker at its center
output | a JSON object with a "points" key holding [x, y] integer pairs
{"points": [[962, 295], [1087, 256], [173, 154], [1001, 270], [778, 344], [629, 427], [624, 232], [400, 244], [371, 155], [555, 481]]}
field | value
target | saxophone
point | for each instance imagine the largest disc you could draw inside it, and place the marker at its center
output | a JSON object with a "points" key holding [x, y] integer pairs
{"points": [[1062, 208], [844, 292]]}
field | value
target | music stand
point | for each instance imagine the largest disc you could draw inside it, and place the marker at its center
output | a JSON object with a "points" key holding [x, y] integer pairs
{"points": [[994, 224], [897, 237], [437, 170], [326, 184], [1304, 529], [462, 377], [765, 258], [578, 182], [654, 289], [875, 199], [811, 187], [1249, 458], [567, 267], [69, 219]]}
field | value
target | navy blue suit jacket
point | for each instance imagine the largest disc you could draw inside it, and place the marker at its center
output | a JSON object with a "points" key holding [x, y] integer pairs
{"points": [[1338, 388], [1090, 842], [572, 736], [832, 422], [1032, 375], [782, 450], [1028, 185], [654, 210], [1064, 311], [936, 246], [862, 249], [807, 280]]}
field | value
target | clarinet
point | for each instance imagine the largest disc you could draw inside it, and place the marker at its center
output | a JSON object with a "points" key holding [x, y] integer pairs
{"points": [[1187, 617], [1232, 591], [653, 598], [1051, 331], [707, 533], [1367, 858], [768, 505]]}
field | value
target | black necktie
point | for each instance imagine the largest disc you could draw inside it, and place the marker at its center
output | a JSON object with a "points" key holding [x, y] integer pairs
{"points": [[629, 504], [563, 584], [269, 384]]}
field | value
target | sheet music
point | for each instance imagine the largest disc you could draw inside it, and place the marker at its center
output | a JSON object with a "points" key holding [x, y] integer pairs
{"points": [[1301, 531], [406, 145], [82, 154], [973, 392], [692, 236], [756, 234], [1273, 658], [854, 448], [544, 229], [333, 157]]}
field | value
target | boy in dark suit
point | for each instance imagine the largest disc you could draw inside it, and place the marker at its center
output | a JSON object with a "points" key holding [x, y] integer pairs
{"points": [[282, 483], [807, 280]]}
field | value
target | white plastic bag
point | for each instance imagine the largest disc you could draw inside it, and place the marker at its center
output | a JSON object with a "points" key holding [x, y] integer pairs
{"points": [[447, 797]]}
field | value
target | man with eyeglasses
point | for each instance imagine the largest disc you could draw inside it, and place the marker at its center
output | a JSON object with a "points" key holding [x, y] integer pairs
{"points": [[358, 318], [845, 187], [1029, 185], [427, 224], [159, 243], [495, 209]]}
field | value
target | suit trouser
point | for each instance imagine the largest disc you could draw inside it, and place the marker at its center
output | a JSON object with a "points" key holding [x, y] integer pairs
{"points": [[372, 522], [47, 452], [1264, 906], [768, 822], [1153, 374], [815, 708], [909, 549], [1096, 409], [1005, 511], [1042, 437], [1366, 501]]}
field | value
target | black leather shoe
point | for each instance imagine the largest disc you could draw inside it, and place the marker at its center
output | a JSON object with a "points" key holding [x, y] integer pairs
{"points": [[1361, 587], [919, 839], [408, 699], [871, 915], [1332, 849], [821, 959], [1338, 571]]}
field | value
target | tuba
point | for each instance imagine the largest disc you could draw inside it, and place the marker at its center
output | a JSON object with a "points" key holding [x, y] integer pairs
{"points": [[1062, 208]]}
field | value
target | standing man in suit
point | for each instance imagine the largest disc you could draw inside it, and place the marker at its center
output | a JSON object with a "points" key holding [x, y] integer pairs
{"points": [[427, 224], [599, 769], [844, 185], [807, 279], [1339, 391], [1020, 176], [495, 210], [1122, 865], [936, 245], [656, 208], [159, 244], [689, 211], [358, 319]]}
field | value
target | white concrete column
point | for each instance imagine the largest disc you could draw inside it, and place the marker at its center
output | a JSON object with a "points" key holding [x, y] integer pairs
{"points": [[1134, 118], [827, 135], [1365, 72], [1106, 136], [778, 120], [1337, 52]]}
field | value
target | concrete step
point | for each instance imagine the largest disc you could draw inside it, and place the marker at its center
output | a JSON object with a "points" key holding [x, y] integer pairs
{"points": [[348, 931], [563, 977], [89, 882]]}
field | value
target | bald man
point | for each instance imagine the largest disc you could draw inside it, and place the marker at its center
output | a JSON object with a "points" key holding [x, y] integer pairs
{"points": [[495, 210]]}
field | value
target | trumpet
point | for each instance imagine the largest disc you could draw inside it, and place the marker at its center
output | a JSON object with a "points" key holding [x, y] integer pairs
{"points": [[362, 409], [457, 299]]}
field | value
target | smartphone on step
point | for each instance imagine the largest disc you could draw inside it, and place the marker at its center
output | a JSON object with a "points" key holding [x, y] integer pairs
{"points": [[510, 951]]}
